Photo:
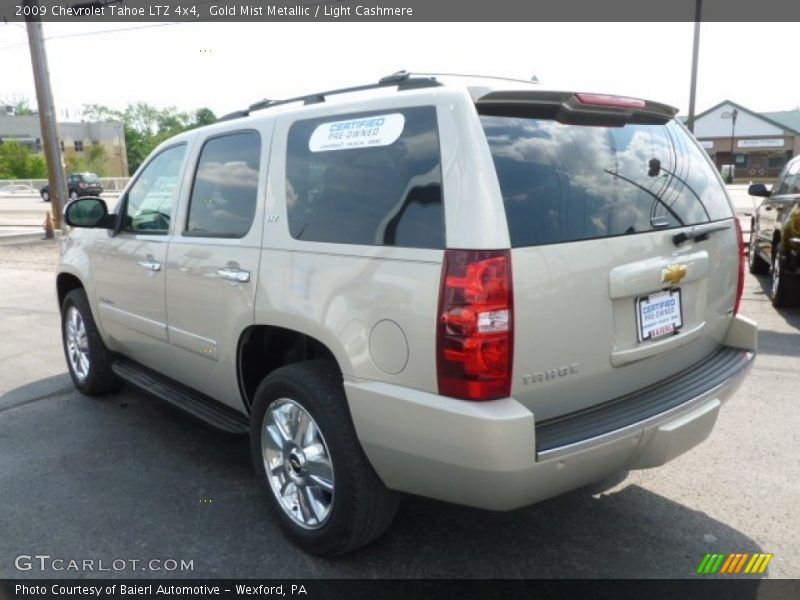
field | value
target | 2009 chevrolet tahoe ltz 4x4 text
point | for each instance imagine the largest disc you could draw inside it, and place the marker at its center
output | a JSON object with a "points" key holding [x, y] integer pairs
{"points": [[472, 290]]}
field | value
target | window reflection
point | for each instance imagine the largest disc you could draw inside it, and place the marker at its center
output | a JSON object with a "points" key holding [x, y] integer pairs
{"points": [[572, 182]]}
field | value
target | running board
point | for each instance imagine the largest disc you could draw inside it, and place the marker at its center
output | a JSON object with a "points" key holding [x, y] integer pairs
{"points": [[198, 405]]}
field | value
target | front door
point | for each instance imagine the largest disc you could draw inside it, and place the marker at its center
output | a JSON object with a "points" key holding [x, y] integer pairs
{"points": [[771, 212], [130, 267]]}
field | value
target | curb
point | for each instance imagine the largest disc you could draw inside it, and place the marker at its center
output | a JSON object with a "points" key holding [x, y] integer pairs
{"points": [[21, 238]]}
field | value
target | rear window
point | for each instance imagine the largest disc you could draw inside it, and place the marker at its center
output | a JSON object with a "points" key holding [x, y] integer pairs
{"points": [[563, 183], [366, 178], [90, 178]]}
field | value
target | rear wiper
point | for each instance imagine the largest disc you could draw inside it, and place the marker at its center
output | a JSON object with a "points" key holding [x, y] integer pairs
{"points": [[698, 234], [656, 197]]}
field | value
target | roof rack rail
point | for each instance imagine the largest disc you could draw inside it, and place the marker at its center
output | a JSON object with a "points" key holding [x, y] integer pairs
{"points": [[402, 79], [237, 114], [533, 79]]}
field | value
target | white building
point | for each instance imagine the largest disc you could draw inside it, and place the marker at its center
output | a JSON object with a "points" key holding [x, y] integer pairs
{"points": [[762, 142]]}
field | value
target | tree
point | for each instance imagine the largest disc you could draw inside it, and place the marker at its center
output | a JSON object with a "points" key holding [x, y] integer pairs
{"points": [[23, 108], [17, 162], [17, 105], [96, 160], [37, 167], [147, 126], [204, 116], [74, 164]]}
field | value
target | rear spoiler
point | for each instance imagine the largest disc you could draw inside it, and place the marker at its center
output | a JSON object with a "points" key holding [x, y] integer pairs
{"points": [[574, 108]]}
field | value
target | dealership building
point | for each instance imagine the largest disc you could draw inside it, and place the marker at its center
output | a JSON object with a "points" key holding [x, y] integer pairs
{"points": [[762, 142]]}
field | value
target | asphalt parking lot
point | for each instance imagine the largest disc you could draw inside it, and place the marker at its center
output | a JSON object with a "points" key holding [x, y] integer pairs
{"points": [[127, 477]]}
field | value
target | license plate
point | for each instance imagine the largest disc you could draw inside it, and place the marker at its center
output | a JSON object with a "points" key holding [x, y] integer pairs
{"points": [[659, 314]]}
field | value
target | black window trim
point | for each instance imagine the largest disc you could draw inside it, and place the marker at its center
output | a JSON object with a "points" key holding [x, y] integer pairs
{"points": [[211, 235], [123, 205]]}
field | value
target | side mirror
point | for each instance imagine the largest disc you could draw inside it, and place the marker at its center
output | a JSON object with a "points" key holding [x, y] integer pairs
{"points": [[88, 212], [758, 189]]}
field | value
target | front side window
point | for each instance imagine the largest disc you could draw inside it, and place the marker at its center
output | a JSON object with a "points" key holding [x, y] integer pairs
{"points": [[564, 182], [367, 178], [795, 187], [224, 193], [152, 198], [786, 182]]}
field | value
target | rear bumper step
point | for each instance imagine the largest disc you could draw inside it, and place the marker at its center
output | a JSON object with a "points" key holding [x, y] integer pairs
{"points": [[654, 402], [198, 405]]}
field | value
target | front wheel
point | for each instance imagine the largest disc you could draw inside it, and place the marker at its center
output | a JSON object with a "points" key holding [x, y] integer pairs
{"points": [[46, 196], [73, 195], [321, 486], [88, 359]]}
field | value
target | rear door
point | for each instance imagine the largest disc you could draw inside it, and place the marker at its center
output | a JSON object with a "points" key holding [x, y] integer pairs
{"points": [[607, 299], [213, 261]]}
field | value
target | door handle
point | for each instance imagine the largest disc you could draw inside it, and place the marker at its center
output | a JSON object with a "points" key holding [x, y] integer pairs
{"points": [[232, 274], [150, 265]]}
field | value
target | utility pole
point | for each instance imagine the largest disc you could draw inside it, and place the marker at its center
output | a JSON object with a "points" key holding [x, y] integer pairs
{"points": [[47, 115], [695, 52], [734, 114]]}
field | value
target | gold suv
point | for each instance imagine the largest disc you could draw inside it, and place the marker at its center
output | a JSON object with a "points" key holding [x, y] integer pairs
{"points": [[474, 290]]}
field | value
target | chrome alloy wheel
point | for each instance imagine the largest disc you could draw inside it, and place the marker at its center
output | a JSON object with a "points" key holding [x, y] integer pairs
{"points": [[297, 463], [77, 344]]}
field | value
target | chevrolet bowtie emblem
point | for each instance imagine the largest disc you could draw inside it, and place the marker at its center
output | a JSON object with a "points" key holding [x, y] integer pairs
{"points": [[673, 274]]}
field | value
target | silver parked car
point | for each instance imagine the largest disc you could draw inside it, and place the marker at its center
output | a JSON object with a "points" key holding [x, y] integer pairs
{"points": [[474, 290]]}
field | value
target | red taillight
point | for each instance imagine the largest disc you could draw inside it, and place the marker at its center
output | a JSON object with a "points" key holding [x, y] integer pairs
{"points": [[81, 185], [742, 259], [475, 337], [611, 101]]}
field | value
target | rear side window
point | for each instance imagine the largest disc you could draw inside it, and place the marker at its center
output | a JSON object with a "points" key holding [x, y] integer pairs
{"points": [[367, 178], [564, 183], [224, 193]]}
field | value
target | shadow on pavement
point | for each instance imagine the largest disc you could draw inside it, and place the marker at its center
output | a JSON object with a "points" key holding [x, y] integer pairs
{"points": [[775, 342], [129, 477], [37, 390]]}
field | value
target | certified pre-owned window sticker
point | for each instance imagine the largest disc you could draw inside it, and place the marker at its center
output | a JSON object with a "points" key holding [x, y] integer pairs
{"points": [[379, 130]]}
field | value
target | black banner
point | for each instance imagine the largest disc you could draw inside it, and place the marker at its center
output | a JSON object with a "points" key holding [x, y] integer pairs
{"points": [[398, 10], [323, 589]]}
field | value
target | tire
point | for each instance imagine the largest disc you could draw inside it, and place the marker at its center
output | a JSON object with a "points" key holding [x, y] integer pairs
{"points": [[783, 292], [757, 265], [88, 359], [46, 196], [73, 195], [343, 505]]}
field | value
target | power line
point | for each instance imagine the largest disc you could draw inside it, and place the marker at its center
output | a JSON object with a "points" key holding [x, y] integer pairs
{"points": [[101, 32], [104, 31]]}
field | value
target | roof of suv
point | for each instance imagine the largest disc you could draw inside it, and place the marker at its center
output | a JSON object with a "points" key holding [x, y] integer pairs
{"points": [[476, 85]]}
